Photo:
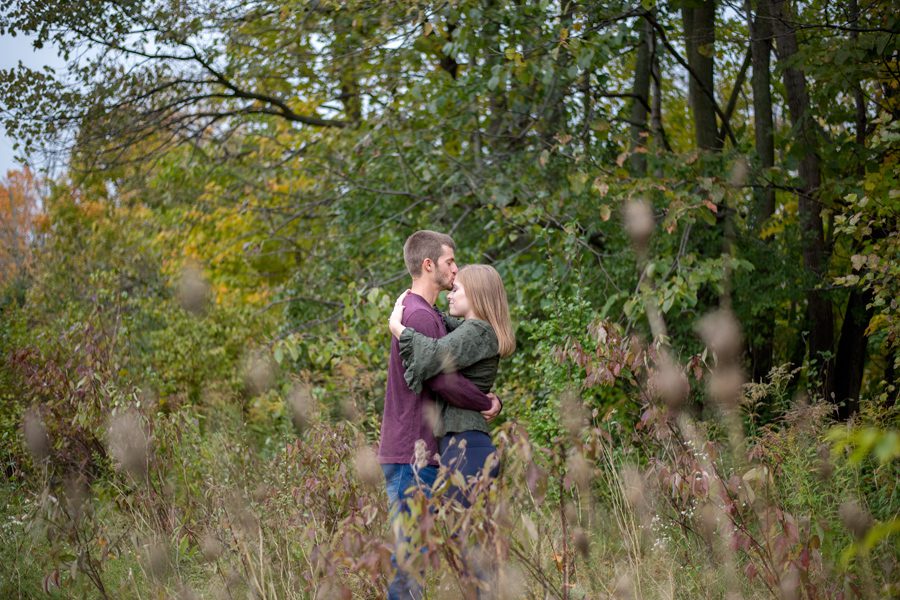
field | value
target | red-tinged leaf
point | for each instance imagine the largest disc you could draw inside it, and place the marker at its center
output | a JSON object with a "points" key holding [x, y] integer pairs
{"points": [[51, 581], [781, 546], [730, 508], [644, 421], [700, 484], [664, 474], [532, 477], [791, 531], [712, 450], [750, 571], [696, 366], [804, 559], [711, 206]]}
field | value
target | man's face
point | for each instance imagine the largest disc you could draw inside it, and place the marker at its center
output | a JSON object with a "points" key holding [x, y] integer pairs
{"points": [[445, 270]]}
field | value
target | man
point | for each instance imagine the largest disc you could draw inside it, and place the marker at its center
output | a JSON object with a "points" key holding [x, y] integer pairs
{"points": [[431, 263]]}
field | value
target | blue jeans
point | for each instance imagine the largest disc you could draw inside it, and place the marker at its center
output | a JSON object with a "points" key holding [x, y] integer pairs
{"points": [[401, 481]]}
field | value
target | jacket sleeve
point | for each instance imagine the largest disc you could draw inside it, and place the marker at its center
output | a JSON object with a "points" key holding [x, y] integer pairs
{"points": [[424, 356], [452, 387], [450, 321]]}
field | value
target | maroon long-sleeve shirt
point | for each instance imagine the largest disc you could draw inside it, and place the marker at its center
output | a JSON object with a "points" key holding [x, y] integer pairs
{"points": [[404, 420]]}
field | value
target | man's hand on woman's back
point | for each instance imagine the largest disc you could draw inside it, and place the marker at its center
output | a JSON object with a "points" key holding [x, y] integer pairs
{"points": [[495, 408]]}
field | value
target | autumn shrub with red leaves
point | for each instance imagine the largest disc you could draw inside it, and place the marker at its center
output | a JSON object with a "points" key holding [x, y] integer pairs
{"points": [[67, 392]]}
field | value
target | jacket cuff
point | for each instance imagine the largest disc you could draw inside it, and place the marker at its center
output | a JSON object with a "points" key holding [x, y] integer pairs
{"points": [[407, 353]]}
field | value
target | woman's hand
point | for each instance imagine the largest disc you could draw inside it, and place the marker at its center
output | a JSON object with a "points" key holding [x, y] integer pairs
{"points": [[394, 321]]}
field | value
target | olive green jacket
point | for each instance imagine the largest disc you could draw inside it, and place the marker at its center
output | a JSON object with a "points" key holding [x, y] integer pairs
{"points": [[471, 348]]}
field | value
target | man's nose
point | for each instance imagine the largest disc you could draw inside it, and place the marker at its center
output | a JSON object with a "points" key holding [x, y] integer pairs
{"points": [[455, 269]]}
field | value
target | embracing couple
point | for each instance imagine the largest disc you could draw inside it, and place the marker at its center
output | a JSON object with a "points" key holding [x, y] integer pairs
{"points": [[441, 371]]}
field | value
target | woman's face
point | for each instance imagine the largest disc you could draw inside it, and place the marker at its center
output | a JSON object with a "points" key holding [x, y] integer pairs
{"points": [[457, 301]]}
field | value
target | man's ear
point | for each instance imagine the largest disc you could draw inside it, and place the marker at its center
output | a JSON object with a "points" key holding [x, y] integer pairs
{"points": [[427, 265]]}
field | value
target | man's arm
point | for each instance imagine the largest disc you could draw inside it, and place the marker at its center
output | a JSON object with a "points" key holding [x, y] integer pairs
{"points": [[459, 391], [452, 387]]}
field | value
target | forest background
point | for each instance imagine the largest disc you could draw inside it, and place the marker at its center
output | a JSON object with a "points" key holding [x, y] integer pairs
{"points": [[694, 206]]}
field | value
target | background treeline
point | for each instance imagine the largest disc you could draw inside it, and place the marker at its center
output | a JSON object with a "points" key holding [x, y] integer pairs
{"points": [[694, 206]]}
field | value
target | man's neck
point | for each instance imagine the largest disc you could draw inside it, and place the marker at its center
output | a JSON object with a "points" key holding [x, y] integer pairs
{"points": [[426, 289]]}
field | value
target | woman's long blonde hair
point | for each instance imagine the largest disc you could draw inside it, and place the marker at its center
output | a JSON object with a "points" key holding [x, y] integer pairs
{"points": [[487, 297]]}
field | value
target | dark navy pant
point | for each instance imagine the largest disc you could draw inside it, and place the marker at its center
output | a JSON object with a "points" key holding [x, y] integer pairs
{"points": [[468, 458]]}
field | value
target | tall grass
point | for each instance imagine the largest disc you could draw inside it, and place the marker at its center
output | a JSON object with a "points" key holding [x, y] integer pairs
{"points": [[671, 513]]}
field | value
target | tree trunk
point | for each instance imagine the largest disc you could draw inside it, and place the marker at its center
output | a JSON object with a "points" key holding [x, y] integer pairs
{"points": [[656, 124], [760, 47], [640, 102], [862, 120], [890, 377], [700, 38], [851, 353], [761, 349], [819, 309]]}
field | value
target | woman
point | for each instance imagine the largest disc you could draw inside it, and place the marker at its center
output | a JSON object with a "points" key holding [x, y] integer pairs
{"points": [[472, 347]]}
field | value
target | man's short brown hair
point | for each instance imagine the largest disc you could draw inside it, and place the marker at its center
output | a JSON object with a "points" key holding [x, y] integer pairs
{"points": [[424, 244]]}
